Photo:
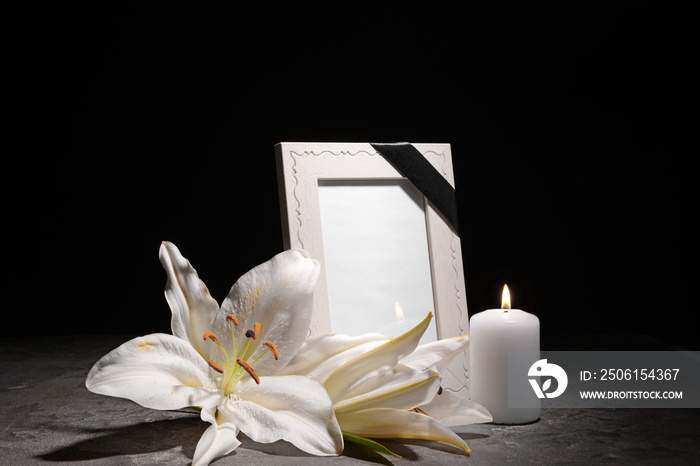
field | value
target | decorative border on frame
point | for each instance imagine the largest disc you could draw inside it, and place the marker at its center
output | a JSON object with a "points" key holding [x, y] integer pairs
{"points": [[295, 156]]}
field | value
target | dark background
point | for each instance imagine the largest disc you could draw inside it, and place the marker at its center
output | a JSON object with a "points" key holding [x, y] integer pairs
{"points": [[137, 123]]}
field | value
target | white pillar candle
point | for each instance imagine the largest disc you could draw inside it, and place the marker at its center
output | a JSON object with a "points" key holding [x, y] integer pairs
{"points": [[493, 333]]}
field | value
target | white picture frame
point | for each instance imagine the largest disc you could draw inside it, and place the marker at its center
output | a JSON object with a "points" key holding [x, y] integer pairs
{"points": [[303, 165]]}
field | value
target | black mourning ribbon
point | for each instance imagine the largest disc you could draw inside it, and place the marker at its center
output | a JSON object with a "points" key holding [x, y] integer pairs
{"points": [[408, 161]]}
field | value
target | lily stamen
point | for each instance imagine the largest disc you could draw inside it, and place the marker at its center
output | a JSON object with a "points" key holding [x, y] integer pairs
{"points": [[270, 347], [249, 370], [273, 348], [215, 366], [420, 411], [233, 374], [212, 336], [254, 332]]}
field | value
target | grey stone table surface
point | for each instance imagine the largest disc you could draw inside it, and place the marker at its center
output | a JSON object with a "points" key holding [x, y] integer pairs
{"points": [[49, 417]]}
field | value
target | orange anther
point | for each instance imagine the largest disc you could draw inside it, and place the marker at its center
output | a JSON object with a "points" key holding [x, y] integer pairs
{"points": [[211, 335], [232, 318], [273, 348], [420, 411], [215, 366], [249, 369]]}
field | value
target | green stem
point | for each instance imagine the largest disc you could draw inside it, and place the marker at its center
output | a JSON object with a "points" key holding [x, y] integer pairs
{"points": [[370, 444]]}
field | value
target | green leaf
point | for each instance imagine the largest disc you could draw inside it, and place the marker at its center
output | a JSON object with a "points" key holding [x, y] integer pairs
{"points": [[362, 453], [370, 444]]}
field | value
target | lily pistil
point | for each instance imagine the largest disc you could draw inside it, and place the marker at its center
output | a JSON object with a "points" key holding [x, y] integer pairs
{"points": [[236, 364]]}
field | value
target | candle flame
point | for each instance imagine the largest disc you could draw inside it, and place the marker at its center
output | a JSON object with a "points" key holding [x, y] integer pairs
{"points": [[399, 312], [505, 300]]}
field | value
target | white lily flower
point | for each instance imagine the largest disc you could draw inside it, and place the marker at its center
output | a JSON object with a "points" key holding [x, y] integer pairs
{"points": [[226, 360], [389, 388]]}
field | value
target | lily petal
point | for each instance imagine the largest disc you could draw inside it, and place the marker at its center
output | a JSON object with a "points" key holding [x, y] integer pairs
{"points": [[438, 353], [157, 371], [291, 408], [394, 423], [218, 440], [451, 409], [320, 355], [374, 362], [399, 389], [193, 309], [279, 295]]}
